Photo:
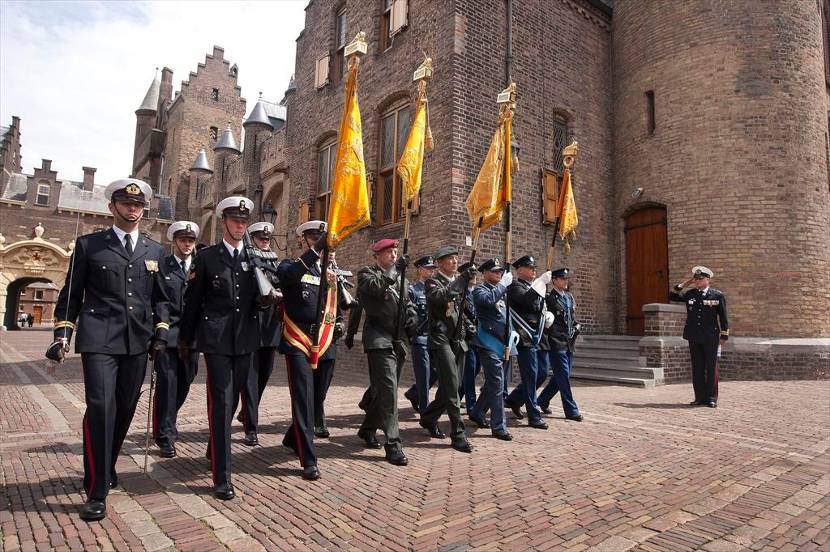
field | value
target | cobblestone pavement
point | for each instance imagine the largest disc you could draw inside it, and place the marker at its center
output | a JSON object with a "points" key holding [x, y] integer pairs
{"points": [[642, 472]]}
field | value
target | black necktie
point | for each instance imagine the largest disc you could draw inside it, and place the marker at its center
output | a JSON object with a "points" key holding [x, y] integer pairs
{"points": [[184, 268], [235, 254], [128, 244]]}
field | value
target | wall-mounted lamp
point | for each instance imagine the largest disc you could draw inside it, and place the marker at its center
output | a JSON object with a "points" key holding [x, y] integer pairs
{"points": [[637, 193]]}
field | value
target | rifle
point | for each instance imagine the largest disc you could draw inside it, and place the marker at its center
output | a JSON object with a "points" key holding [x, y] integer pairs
{"points": [[262, 262]]}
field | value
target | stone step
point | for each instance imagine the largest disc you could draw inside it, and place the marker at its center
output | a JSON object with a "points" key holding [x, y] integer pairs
{"points": [[610, 337], [611, 367], [616, 346], [613, 379], [622, 356]]}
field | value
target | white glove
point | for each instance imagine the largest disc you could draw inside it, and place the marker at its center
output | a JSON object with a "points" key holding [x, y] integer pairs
{"points": [[548, 319], [546, 277], [506, 278], [539, 287]]}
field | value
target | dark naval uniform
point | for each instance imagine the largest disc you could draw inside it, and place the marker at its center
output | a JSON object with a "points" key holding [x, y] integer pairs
{"points": [[174, 374], [528, 320], [117, 300], [300, 283], [424, 368], [270, 330], [443, 301], [378, 294], [221, 319], [706, 324], [561, 338]]}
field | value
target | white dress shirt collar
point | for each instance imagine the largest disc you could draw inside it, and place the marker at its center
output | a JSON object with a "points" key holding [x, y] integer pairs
{"points": [[231, 248], [120, 233]]}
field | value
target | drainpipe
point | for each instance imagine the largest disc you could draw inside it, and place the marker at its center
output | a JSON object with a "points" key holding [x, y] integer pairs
{"points": [[508, 56]]}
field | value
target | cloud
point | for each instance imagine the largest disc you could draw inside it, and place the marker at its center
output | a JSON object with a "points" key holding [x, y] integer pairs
{"points": [[75, 72]]}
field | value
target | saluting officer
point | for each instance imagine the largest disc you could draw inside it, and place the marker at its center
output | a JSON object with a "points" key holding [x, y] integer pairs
{"points": [[489, 343], [707, 327], [444, 297], [378, 287], [300, 283], [174, 374], [270, 331], [422, 366], [113, 291], [561, 336], [221, 320], [527, 301]]}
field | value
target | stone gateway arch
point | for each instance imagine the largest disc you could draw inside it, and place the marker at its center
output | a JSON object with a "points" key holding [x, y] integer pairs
{"points": [[25, 262]]}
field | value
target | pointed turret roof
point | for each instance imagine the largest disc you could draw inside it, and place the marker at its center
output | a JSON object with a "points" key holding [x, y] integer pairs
{"points": [[226, 142], [292, 85], [201, 165], [151, 98], [258, 116]]}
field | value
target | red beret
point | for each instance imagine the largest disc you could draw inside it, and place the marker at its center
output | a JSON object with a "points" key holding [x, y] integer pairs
{"points": [[380, 245]]}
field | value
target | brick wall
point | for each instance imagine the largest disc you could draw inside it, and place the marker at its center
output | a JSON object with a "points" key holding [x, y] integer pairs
{"points": [[738, 154]]}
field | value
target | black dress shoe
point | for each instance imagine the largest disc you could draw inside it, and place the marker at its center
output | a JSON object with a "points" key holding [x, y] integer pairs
{"points": [[224, 491], [167, 451], [311, 473], [712, 404], [479, 420], [537, 424], [113, 480], [503, 435], [369, 439], [396, 457], [577, 418], [94, 510], [462, 445], [434, 431], [321, 432], [697, 403], [239, 417], [516, 408], [250, 439], [545, 409]]}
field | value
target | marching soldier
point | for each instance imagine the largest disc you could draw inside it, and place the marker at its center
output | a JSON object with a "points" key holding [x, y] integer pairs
{"points": [[174, 374], [221, 319], [707, 328], [300, 282], [527, 301], [378, 287], [424, 369], [269, 337], [489, 343], [446, 342], [113, 291], [561, 336]]}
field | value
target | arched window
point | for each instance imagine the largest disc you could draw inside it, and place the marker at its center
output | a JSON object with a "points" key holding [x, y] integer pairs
{"points": [[394, 129], [325, 172]]}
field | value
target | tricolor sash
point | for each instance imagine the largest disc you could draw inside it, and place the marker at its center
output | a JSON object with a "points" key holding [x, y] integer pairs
{"points": [[297, 338]]}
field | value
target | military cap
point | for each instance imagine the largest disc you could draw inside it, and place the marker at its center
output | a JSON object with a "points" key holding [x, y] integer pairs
{"points": [[445, 251], [425, 262], [491, 265], [527, 260], [311, 226], [235, 206], [702, 272], [385, 243], [129, 189], [561, 273], [183, 229], [264, 228]]}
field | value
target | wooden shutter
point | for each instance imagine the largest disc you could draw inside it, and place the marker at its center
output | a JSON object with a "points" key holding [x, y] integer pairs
{"points": [[321, 72], [398, 17], [303, 213], [550, 196]]}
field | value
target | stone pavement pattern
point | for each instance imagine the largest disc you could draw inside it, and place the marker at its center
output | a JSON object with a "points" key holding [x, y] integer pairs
{"points": [[643, 472]]}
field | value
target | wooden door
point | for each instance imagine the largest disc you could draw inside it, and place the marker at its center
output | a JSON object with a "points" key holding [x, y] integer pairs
{"points": [[646, 264], [38, 314]]}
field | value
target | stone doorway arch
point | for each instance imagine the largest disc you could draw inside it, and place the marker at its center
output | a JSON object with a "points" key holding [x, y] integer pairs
{"points": [[25, 262]]}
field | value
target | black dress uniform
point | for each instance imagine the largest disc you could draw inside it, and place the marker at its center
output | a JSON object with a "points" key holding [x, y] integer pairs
{"points": [[300, 283], [174, 374], [444, 297], [706, 324], [378, 294], [117, 299], [221, 320]]}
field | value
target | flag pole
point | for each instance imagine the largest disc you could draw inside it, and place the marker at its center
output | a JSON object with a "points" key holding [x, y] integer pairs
{"points": [[421, 76], [353, 52], [509, 105]]}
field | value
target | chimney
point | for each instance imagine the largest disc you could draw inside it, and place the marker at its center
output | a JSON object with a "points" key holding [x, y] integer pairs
{"points": [[166, 92], [46, 164], [89, 178]]}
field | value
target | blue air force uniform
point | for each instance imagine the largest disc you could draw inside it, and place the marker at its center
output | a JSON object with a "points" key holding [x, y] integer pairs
{"points": [[422, 364]]}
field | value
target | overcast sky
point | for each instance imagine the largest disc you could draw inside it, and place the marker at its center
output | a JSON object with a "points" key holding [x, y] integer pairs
{"points": [[75, 72]]}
